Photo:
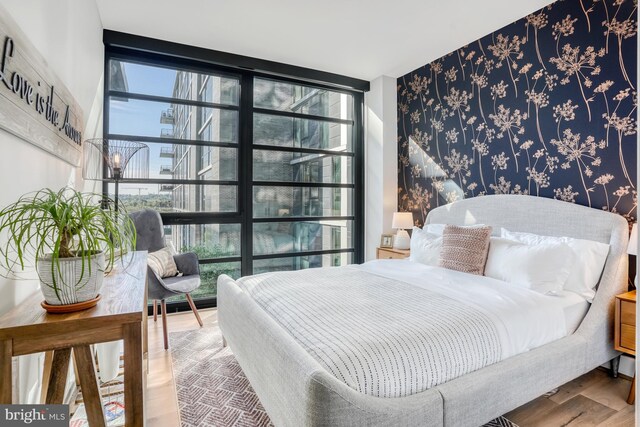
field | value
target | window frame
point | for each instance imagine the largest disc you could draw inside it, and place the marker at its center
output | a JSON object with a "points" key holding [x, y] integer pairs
{"points": [[145, 51]]}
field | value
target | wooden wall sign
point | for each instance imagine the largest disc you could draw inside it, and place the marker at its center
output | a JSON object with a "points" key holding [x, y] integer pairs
{"points": [[34, 104]]}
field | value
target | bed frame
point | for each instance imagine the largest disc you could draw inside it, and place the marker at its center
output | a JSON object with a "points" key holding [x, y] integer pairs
{"points": [[297, 391]]}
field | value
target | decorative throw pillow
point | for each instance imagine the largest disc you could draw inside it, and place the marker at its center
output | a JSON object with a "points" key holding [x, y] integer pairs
{"points": [[162, 262], [465, 248], [425, 246]]}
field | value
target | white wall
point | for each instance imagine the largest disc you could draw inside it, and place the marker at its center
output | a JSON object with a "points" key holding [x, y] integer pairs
{"points": [[381, 154], [68, 33]]}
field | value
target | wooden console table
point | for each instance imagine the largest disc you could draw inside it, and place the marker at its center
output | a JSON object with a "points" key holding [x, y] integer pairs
{"points": [[121, 314]]}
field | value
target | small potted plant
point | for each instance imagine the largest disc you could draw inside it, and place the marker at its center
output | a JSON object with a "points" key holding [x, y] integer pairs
{"points": [[72, 238]]}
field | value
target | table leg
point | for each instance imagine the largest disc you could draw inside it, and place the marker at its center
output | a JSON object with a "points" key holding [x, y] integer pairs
{"points": [[89, 383], [46, 374], [58, 378], [133, 376], [6, 351], [632, 393]]}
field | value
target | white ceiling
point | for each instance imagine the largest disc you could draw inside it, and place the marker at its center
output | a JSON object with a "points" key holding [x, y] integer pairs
{"points": [[357, 38]]}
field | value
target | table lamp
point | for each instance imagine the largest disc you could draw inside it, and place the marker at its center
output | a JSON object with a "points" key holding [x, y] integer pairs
{"points": [[402, 221], [632, 249]]}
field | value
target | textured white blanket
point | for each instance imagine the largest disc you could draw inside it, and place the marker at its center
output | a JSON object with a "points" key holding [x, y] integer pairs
{"points": [[392, 329]]}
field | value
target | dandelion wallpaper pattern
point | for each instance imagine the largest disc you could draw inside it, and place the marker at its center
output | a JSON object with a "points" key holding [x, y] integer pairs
{"points": [[545, 106]]}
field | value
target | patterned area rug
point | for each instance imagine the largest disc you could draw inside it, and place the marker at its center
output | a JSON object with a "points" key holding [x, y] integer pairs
{"points": [[212, 389]]}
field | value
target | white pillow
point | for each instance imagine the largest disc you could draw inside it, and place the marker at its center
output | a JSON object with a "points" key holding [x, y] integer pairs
{"points": [[437, 229], [589, 259], [543, 268], [425, 247]]}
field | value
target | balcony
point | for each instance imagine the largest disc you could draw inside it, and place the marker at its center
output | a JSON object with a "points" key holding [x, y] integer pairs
{"points": [[165, 188], [166, 133], [167, 152], [166, 117], [166, 170]]}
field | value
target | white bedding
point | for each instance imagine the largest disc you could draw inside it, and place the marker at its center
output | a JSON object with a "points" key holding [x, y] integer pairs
{"points": [[575, 307], [525, 319], [392, 328]]}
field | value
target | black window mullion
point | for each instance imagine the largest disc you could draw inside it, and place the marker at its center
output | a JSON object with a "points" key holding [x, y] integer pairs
{"points": [[303, 150], [358, 178], [304, 253], [175, 181], [246, 172], [303, 218], [268, 112], [174, 141], [168, 100], [207, 261], [302, 184]]}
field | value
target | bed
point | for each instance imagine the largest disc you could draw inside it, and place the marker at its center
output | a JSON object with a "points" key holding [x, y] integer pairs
{"points": [[320, 353]]}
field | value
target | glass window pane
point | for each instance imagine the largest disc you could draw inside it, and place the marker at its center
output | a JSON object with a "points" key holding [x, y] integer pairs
{"points": [[299, 263], [163, 120], [301, 167], [288, 237], [209, 280], [294, 98], [193, 162], [301, 133], [301, 201], [177, 197], [173, 83], [206, 240]]}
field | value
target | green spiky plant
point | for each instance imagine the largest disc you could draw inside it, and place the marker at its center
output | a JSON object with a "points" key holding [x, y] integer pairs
{"points": [[54, 225]]}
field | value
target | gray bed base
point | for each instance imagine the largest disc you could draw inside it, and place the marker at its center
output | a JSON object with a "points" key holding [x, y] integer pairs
{"points": [[296, 391]]}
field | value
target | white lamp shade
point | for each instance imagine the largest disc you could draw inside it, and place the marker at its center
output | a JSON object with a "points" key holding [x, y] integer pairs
{"points": [[632, 249], [402, 220]]}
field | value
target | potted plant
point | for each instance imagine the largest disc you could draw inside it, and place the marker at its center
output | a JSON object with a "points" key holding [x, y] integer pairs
{"points": [[72, 238]]}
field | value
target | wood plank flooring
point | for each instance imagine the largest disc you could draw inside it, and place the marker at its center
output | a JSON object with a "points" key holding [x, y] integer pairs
{"points": [[594, 399]]}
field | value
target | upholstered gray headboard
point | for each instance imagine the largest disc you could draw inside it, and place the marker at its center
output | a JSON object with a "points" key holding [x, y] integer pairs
{"points": [[557, 218], [531, 214]]}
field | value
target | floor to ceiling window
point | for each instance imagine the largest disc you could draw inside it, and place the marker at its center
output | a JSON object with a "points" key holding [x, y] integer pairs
{"points": [[253, 172]]}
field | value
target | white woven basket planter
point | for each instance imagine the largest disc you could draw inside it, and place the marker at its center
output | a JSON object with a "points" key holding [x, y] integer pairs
{"points": [[73, 285]]}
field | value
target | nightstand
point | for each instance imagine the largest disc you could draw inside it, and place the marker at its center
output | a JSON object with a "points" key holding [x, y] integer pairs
{"points": [[390, 253], [625, 330]]}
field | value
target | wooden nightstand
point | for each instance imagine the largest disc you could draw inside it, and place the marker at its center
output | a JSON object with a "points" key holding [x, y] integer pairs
{"points": [[390, 253], [625, 330]]}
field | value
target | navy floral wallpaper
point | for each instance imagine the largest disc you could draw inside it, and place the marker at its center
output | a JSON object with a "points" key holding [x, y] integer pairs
{"points": [[545, 106]]}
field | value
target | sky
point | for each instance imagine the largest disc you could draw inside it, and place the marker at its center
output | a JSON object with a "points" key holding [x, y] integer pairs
{"points": [[134, 117]]}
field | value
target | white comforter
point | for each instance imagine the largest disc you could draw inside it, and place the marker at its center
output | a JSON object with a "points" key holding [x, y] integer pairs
{"points": [[392, 328], [524, 319]]}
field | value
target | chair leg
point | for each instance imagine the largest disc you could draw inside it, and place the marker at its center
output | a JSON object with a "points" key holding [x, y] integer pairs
{"points": [[163, 303], [155, 310], [195, 310]]}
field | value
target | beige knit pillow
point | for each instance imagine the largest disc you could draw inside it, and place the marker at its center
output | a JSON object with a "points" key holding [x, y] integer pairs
{"points": [[162, 262], [465, 248]]}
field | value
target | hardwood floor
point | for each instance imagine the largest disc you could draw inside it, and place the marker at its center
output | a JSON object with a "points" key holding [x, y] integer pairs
{"points": [[594, 399], [162, 402]]}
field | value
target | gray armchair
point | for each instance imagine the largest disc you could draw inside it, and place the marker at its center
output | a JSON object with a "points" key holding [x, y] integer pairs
{"points": [[150, 237]]}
